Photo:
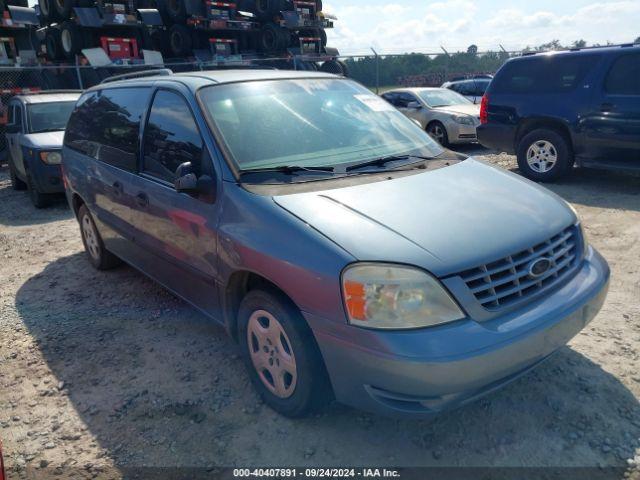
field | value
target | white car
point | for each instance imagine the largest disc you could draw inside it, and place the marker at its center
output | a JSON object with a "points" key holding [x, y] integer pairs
{"points": [[446, 115]]}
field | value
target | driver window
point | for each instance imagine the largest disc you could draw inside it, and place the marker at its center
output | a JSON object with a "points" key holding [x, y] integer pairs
{"points": [[171, 137]]}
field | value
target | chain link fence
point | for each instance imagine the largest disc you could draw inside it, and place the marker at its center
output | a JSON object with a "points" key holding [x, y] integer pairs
{"points": [[377, 72]]}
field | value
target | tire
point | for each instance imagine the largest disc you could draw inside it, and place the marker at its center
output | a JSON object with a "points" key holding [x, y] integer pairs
{"points": [[52, 43], [180, 43], [540, 147], [99, 256], [47, 11], [38, 199], [308, 389], [438, 132], [176, 10], [16, 183], [71, 40], [63, 8], [334, 66], [272, 39]]}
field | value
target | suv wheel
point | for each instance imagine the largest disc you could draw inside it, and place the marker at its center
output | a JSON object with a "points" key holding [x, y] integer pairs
{"points": [[544, 155], [281, 355], [99, 256]]}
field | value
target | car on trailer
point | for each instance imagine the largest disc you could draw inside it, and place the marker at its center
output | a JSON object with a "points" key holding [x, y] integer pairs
{"points": [[34, 132]]}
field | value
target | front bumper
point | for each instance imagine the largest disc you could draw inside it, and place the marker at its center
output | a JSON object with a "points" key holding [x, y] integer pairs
{"points": [[459, 133], [422, 372]]}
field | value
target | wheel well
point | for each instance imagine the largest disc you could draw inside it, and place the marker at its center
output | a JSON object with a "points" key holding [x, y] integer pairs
{"points": [[550, 124], [76, 202], [239, 284]]}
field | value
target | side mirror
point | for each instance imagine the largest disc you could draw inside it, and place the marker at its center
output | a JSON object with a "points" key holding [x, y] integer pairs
{"points": [[414, 105], [187, 183]]}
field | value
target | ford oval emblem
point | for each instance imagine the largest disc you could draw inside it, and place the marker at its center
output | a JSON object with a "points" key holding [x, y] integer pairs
{"points": [[539, 267]]}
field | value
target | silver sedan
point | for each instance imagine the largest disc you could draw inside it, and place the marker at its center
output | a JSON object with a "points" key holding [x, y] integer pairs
{"points": [[446, 115]]}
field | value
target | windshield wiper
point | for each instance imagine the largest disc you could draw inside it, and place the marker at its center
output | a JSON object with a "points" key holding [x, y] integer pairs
{"points": [[382, 161], [288, 169]]}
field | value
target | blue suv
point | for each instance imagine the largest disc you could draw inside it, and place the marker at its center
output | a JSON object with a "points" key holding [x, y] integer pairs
{"points": [[345, 250], [559, 108]]}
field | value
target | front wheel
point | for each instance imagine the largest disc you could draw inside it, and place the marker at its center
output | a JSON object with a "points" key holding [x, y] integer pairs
{"points": [[16, 183], [38, 199], [99, 256], [544, 155], [281, 355], [438, 132]]}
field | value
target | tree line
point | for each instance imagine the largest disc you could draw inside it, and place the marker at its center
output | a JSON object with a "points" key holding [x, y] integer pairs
{"points": [[391, 70]]}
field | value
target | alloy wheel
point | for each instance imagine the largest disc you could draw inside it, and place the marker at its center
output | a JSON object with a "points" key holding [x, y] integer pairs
{"points": [[437, 133], [90, 237], [271, 354], [542, 156]]}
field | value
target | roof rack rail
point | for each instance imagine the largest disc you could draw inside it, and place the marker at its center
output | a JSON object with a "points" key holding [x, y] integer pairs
{"points": [[44, 92], [156, 72]]}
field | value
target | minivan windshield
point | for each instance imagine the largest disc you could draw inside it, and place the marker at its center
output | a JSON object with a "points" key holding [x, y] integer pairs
{"points": [[320, 122], [49, 117], [442, 97]]}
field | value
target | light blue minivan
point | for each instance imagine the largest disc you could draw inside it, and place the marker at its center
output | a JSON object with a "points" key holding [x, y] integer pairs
{"points": [[349, 255]]}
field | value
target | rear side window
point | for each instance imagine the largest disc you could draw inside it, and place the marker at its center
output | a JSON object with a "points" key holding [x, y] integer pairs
{"points": [[544, 74], [105, 125], [171, 137], [624, 76]]}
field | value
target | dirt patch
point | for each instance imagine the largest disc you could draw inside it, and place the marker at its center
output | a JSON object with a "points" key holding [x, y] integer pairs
{"points": [[108, 369]]}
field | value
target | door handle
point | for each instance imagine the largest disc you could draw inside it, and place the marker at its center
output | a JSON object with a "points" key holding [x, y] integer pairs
{"points": [[117, 188], [142, 199], [607, 107]]}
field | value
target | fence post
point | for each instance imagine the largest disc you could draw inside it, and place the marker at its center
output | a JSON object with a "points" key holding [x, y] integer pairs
{"points": [[78, 75], [377, 71]]}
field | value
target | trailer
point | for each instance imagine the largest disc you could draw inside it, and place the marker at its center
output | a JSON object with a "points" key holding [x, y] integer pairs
{"points": [[122, 28]]}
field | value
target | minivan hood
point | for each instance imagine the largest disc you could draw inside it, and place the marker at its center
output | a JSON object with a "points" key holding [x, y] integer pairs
{"points": [[462, 109], [43, 140], [445, 220]]}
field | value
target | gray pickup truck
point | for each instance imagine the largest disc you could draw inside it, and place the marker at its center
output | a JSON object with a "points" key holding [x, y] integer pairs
{"points": [[34, 131]]}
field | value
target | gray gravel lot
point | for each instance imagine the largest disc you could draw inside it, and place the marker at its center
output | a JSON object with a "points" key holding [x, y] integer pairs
{"points": [[103, 370]]}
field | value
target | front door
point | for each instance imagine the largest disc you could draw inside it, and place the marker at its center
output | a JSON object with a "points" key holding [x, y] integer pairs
{"points": [[178, 229], [612, 127]]}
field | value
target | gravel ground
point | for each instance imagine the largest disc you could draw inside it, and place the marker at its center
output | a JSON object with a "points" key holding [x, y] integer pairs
{"points": [[104, 371]]}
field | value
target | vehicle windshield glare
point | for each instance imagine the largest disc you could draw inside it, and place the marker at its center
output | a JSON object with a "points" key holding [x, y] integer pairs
{"points": [[310, 123], [442, 97], [48, 117]]}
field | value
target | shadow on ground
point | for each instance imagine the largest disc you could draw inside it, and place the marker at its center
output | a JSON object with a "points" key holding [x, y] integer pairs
{"points": [[158, 385]]}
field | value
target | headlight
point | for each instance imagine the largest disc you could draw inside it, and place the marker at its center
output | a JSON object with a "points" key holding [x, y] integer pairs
{"points": [[463, 120], [51, 158], [395, 297]]}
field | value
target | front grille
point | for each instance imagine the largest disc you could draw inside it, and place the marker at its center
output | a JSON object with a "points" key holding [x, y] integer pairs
{"points": [[508, 280]]}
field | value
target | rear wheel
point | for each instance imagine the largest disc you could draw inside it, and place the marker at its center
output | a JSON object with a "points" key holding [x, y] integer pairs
{"points": [[47, 11], [334, 66], [99, 256], [273, 39], [176, 10], [63, 8], [281, 355], [544, 155]]}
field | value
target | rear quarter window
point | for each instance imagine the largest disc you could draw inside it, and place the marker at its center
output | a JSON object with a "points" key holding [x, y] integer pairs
{"points": [[544, 74], [624, 76], [105, 125]]}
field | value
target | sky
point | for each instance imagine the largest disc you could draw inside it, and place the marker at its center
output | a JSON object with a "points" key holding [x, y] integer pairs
{"points": [[424, 26]]}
